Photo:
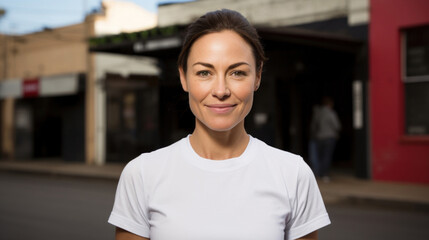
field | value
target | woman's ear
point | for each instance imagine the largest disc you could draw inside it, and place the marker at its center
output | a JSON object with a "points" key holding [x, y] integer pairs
{"points": [[183, 79], [258, 77]]}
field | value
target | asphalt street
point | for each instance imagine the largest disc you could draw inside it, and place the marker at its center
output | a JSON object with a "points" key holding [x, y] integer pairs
{"points": [[363, 221], [52, 207], [45, 207]]}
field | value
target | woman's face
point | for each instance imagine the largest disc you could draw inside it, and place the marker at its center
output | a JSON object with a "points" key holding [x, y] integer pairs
{"points": [[220, 79]]}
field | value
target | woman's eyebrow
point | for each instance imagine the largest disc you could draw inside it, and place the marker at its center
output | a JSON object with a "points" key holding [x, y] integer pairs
{"points": [[204, 64], [232, 66]]}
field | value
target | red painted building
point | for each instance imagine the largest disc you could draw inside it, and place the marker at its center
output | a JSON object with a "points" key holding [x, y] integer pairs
{"points": [[399, 90]]}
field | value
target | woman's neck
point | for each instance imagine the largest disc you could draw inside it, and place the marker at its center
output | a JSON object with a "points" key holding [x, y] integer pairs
{"points": [[219, 145]]}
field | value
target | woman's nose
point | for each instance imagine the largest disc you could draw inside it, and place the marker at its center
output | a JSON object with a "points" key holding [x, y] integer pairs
{"points": [[220, 88]]}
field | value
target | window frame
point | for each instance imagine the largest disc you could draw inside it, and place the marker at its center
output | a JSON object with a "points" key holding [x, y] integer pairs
{"points": [[405, 78], [407, 137]]}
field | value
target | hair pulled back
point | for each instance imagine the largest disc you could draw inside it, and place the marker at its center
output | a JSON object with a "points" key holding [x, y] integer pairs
{"points": [[218, 21]]}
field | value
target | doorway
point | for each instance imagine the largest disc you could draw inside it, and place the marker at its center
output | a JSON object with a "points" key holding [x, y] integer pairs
{"points": [[302, 75]]}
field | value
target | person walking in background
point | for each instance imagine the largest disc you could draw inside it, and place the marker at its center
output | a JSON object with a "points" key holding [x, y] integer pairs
{"points": [[313, 152], [327, 128]]}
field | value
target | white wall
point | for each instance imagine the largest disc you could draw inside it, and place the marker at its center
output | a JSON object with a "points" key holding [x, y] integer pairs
{"points": [[124, 65], [122, 16], [269, 12]]}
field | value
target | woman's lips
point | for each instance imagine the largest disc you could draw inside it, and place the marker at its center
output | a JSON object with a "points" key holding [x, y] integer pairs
{"points": [[221, 108]]}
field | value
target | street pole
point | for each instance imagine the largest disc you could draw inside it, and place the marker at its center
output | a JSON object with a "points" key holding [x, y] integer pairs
{"points": [[2, 13]]}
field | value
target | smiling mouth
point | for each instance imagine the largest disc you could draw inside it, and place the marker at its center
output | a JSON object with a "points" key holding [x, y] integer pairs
{"points": [[221, 108]]}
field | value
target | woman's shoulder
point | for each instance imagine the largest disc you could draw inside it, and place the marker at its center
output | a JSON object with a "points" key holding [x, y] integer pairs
{"points": [[274, 152], [278, 156], [164, 151], [155, 158], [290, 165]]}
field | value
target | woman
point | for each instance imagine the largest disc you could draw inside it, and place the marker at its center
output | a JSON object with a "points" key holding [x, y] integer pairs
{"points": [[219, 183]]}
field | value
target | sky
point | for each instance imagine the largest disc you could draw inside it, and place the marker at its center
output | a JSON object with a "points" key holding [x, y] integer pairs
{"points": [[26, 16]]}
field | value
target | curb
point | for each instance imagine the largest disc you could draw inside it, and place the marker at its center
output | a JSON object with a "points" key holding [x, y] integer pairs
{"points": [[355, 191], [68, 170]]}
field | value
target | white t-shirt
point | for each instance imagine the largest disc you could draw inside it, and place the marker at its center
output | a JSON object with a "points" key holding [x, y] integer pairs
{"points": [[173, 193]]}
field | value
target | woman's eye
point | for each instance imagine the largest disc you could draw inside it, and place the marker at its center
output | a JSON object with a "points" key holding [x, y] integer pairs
{"points": [[203, 73], [238, 73]]}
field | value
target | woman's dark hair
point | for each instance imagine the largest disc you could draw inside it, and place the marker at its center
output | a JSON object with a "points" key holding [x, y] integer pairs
{"points": [[218, 21]]}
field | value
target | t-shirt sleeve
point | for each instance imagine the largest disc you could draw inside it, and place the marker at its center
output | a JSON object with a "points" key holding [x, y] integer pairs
{"points": [[130, 207], [309, 212]]}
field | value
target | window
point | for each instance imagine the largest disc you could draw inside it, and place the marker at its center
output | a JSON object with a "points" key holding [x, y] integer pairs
{"points": [[416, 80]]}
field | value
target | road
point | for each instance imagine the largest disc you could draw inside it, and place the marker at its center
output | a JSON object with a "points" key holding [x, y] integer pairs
{"points": [[362, 221], [47, 207]]}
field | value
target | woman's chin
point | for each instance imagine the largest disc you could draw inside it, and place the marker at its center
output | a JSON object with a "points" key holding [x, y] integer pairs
{"points": [[221, 126]]}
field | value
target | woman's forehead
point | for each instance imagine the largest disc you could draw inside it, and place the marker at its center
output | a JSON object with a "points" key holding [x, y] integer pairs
{"points": [[226, 45]]}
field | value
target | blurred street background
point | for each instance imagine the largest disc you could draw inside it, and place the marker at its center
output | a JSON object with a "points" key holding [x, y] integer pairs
{"points": [[86, 86]]}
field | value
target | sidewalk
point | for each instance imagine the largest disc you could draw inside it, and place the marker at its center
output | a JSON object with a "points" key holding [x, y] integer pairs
{"points": [[353, 190], [108, 171], [342, 187]]}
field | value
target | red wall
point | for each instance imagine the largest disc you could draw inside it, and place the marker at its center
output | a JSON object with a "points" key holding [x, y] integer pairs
{"points": [[394, 156]]}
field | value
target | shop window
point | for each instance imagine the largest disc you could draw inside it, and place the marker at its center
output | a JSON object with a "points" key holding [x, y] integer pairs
{"points": [[416, 80], [132, 106]]}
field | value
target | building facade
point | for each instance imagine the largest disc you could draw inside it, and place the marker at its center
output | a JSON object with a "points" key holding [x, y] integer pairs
{"points": [[321, 48], [42, 93], [51, 87], [314, 48], [399, 90], [369, 56]]}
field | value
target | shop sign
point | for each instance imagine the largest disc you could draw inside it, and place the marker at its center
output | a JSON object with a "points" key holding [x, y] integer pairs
{"points": [[10, 88], [357, 104], [30, 87], [57, 85]]}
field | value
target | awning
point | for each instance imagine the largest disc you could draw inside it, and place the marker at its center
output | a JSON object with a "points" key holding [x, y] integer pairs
{"points": [[155, 42], [167, 41], [296, 35], [57, 85]]}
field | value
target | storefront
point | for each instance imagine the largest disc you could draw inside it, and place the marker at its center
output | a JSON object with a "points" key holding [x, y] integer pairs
{"points": [[306, 64], [132, 125], [143, 111], [48, 115]]}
